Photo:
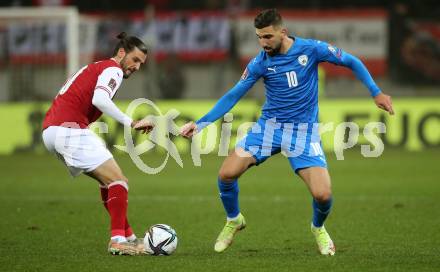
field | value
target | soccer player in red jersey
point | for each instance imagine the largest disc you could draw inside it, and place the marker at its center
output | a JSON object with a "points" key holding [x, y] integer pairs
{"points": [[80, 102]]}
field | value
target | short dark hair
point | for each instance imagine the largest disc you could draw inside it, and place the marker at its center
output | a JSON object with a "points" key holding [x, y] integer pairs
{"points": [[268, 17], [129, 43]]}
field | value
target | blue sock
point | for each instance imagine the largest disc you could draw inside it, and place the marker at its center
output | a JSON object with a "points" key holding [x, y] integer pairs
{"points": [[320, 212], [229, 196]]}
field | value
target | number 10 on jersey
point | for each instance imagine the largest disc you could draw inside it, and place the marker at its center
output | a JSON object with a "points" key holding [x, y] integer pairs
{"points": [[292, 79]]}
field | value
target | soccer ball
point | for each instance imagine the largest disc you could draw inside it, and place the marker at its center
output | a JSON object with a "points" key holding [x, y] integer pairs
{"points": [[160, 239]]}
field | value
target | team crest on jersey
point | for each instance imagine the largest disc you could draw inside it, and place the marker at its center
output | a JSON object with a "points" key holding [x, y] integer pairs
{"points": [[112, 84], [245, 74], [303, 60]]}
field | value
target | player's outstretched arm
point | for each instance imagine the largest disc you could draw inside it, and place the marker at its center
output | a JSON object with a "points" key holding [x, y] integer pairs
{"points": [[226, 102], [221, 108], [223, 105], [382, 100], [102, 101], [337, 56]]}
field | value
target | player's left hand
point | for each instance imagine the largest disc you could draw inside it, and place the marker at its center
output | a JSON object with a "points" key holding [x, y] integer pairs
{"points": [[188, 130], [144, 125], [384, 102]]}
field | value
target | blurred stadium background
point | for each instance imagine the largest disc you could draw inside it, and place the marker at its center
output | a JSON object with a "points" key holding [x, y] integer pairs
{"points": [[198, 51]]}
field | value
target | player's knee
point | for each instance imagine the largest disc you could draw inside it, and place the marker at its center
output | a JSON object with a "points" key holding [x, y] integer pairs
{"points": [[121, 181], [227, 174], [323, 196], [115, 178], [122, 178]]}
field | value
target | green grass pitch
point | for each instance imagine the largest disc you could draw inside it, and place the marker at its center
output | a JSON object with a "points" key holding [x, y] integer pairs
{"points": [[386, 216]]}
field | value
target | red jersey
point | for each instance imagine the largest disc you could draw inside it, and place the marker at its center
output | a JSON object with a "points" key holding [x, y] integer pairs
{"points": [[73, 104]]}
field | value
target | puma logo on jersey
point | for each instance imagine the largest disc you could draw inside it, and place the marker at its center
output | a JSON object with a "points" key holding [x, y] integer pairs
{"points": [[272, 69]]}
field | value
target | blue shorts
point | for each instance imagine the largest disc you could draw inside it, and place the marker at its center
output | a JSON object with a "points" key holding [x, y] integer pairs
{"points": [[299, 142]]}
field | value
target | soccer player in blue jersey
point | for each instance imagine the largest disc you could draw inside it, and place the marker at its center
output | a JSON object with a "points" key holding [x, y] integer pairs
{"points": [[288, 122]]}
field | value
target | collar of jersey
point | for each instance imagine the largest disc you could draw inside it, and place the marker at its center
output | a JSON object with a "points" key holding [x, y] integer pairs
{"points": [[294, 45]]}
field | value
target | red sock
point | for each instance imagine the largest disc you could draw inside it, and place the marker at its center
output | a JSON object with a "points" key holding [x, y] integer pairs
{"points": [[128, 230], [104, 197], [117, 207]]}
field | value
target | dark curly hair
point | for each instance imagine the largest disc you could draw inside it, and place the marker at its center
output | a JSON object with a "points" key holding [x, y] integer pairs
{"points": [[268, 17]]}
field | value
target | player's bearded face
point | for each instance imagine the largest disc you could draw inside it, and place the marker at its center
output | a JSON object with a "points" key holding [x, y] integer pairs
{"points": [[125, 68], [270, 39], [273, 50], [132, 61]]}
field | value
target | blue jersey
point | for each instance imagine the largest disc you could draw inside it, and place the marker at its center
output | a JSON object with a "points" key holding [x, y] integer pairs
{"points": [[291, 82]]}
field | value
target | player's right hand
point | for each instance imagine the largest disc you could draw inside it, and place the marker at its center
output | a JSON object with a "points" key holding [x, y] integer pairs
{"points": [[384, 102], [188, 130], [144, 125]]}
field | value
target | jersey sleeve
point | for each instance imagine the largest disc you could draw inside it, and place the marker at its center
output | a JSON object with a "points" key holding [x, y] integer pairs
{"points": [[103, 102], [227, 101], [109, 80], [328, 53]]}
